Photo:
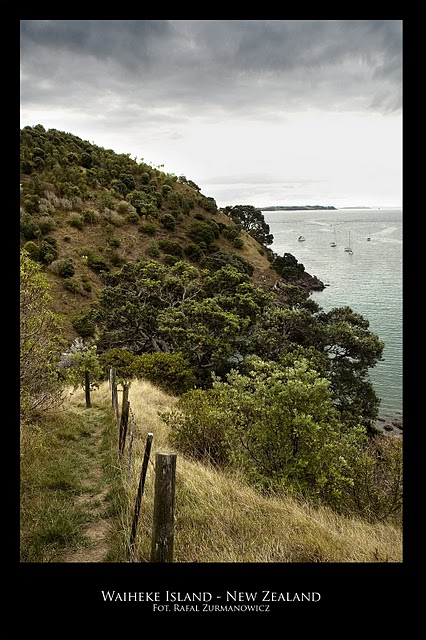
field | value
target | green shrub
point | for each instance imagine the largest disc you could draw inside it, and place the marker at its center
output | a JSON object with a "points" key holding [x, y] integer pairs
{"points": [[86, 284], [84, 324], [153, 250], [194, 252], [170, 260], [65, 268], [90, 216], [170, 247], [46, 224], [238, 242], [169, 371], [201, 232], [124, 208], [48, 250], [219, 259], [166, 190], [121, 359], [168, 221], [96, 263], [33, 250], [72, 285], [75, 220], [149, 228], [29, 228], [132, 217]]}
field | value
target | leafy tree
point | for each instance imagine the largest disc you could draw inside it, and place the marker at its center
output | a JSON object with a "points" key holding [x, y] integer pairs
{"points": [[277, 424], [40, 341], [252, 221], [85, 370]]}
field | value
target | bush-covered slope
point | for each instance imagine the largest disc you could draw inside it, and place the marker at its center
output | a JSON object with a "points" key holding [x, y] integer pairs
{"points": [[86, 209]]}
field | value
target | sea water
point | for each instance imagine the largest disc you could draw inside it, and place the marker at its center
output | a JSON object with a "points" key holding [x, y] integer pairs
{"points": [[369, 280]]}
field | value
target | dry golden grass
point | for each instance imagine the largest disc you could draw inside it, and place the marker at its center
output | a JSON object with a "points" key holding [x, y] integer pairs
{"points": [[219, 518]]}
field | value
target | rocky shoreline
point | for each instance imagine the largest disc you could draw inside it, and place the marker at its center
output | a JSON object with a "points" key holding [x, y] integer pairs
{"points": [[391, 426]]}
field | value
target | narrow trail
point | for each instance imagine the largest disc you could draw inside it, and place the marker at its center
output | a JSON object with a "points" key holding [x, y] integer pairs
{"points": [[94, 501]]}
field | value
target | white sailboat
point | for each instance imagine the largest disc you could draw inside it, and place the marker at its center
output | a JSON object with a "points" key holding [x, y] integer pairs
{"points": [[333, 243], [348, 249]]}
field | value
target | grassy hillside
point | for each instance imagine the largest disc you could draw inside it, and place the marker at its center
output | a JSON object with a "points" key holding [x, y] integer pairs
{"points": [[85, 209], [218, 517]]}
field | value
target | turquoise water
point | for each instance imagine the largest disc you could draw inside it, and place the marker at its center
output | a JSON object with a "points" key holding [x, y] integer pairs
{"points": [[369, 280]]}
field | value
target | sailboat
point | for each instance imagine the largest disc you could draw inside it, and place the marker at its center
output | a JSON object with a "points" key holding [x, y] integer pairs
{"points": [[333, 243], [348, 249]]}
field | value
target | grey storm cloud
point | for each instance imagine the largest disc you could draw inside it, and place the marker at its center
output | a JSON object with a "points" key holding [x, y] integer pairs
{"points": [[244, 66]]}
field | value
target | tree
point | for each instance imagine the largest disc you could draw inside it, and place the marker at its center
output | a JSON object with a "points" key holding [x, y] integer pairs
{"points": [[278, 424], [85, 370], [148, 307], [40, 341], [252, 221]]}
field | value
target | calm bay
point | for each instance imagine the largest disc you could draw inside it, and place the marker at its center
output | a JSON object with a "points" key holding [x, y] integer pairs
{"points": [[369, 280]]}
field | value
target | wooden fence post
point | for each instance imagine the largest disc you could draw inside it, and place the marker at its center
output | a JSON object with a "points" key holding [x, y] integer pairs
{"points": [[140, 490], [125, 407], [87, 388], [131, 432], [163, 529], [114, 394]]}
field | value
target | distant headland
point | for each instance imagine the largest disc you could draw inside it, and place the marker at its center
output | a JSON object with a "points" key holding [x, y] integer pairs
{"points": [[306, 207]]}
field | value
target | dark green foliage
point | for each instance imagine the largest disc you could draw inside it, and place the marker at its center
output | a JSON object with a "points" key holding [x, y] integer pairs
{"points": [[208, 203], [86, 283], [121, 359], [132, 217], [46, 224], [149, 228], [29, 228], [48, 250], [86, 159], [170, 260], [238, 242], [72, 285], [221, 259], [153, 250], [252, 221], [166, 190], [33, 250], [84, 324], [168, 221], [65, 268], [169, 371], [194, 252], [170, 247], [288, 266], [201, 233], [96, 263]]}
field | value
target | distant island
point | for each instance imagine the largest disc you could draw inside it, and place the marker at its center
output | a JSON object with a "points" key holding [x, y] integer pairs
{"points": [[307, 207]]}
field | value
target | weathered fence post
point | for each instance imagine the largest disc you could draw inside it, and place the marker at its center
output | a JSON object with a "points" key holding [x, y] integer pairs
{"points": [[163, 529], [129, 462], [140, 490], [87, 388], [114, 394], [125, 407]]}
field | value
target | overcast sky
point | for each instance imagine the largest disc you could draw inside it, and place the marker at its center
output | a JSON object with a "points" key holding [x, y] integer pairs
{"points": [[260, 112]]}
